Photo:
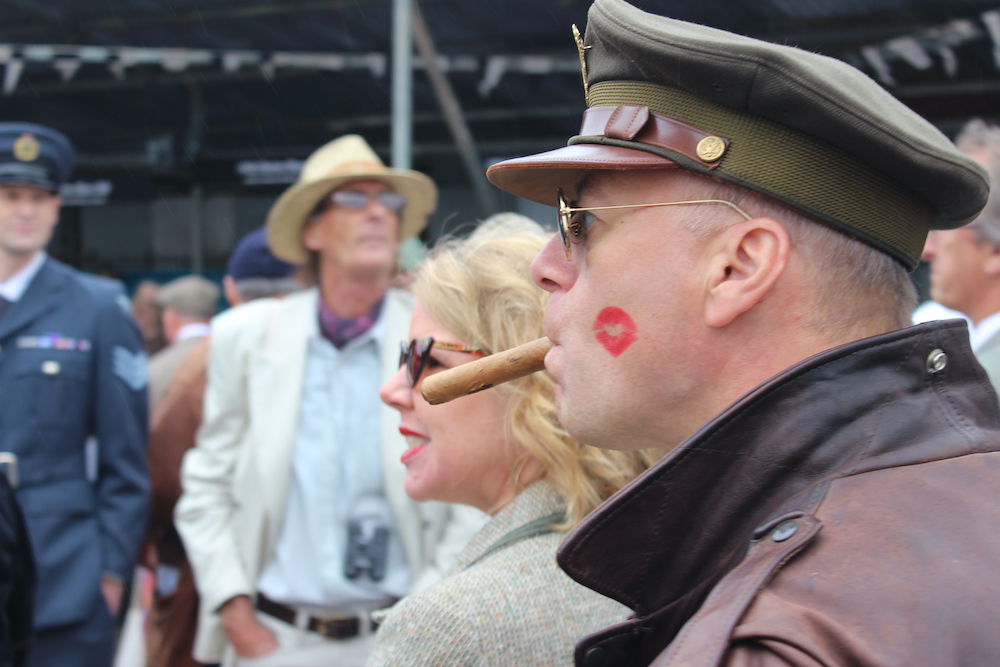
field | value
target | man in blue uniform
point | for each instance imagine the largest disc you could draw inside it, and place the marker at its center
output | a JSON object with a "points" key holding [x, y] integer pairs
{"points": [[72, 408]]}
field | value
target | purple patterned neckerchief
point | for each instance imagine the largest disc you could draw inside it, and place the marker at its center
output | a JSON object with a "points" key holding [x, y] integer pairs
{"points": [[341, 330]]}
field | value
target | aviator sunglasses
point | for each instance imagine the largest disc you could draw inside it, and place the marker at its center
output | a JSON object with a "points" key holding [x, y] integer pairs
{"points": [[414, 355], [355, 199], [573, 227]]}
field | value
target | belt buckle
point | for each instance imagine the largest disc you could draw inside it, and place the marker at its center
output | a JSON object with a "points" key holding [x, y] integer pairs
{"points": [[330, 626]]}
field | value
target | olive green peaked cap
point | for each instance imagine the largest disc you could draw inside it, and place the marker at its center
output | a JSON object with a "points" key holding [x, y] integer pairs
{"points": [[801, 128]]}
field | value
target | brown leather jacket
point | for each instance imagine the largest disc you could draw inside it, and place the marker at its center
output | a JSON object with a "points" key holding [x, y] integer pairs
{"points": [[846, 512]]}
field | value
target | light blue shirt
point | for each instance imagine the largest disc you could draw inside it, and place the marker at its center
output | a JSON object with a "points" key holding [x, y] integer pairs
{"points": [[336, 479], [14, 288]]}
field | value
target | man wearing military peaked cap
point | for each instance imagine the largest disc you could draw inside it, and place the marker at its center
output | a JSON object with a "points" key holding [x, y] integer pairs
{"points": [[737, 221], [34, 156], [72, 410]]}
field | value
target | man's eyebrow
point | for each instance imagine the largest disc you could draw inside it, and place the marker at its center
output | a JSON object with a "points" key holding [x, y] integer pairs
{"points": [[583, 185]]}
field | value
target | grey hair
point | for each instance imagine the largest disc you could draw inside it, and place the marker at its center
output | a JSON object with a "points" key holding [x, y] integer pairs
{"points": [[191, 296], [249, 289], [858, 290], [979, 137]]}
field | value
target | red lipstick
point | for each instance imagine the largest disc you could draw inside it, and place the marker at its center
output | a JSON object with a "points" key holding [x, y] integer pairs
{"points": [[616, 331]]}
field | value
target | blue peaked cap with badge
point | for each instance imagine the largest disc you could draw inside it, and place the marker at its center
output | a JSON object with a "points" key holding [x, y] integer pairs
{"points": [[34, 155]]}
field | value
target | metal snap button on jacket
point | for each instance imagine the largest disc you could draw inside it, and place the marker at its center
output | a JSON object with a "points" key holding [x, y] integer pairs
{"points": [[936, 361], [784, 530], [595, 657]]}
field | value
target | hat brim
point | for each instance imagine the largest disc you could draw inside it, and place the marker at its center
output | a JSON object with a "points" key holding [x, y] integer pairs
{"points": [[289, 213], [539, 177], [40, 184]]}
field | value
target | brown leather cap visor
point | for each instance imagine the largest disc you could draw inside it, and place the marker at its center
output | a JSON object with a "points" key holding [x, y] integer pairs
{"points": [[538, 177]]}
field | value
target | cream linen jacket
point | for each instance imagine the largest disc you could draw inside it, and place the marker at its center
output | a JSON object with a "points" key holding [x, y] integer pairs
{"points": [[512, 607], [236, 479]]}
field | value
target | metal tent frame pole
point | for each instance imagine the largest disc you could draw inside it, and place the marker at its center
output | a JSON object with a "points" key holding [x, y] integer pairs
{"points": [[402, 84], [452, 110]]}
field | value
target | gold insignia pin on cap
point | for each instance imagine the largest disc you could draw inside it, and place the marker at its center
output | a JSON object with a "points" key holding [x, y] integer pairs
{"points": [[710, 149], [26, 148], [581, 48]]}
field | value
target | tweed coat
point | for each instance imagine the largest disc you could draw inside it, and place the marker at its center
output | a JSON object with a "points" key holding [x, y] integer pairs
{"points": [[511, 606]]}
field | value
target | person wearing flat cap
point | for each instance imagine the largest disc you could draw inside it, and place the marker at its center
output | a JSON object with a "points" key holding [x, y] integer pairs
{"points": [[72, 410], [293, 515], [737, 223]]}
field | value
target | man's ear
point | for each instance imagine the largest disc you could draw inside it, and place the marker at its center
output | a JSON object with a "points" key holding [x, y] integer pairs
{"points": [[744, 263], [312, 234], [991, 265]]}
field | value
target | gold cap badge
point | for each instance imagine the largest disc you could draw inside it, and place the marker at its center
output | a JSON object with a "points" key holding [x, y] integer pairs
{"points": [[581, 48], [26, 148], [710, 149]]}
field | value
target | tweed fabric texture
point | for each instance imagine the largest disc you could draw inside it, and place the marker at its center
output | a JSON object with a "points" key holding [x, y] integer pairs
{"points": [[513, 607]]}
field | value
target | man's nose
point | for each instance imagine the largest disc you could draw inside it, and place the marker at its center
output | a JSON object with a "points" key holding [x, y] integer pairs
{"points": [[25, 206], [550, 269], [930, 248]]}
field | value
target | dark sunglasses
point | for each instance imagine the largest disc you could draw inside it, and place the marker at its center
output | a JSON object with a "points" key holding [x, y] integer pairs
{"points": [[414, 355], [355, 199]]}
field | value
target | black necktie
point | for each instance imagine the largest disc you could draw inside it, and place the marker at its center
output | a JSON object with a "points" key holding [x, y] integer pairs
{"points": [[3, 306]]}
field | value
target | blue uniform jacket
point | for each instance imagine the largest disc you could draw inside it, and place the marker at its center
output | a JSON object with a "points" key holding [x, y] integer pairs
{"points": [[71, 367]]}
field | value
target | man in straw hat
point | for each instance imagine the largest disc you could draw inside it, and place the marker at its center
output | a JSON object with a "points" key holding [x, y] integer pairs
{"points": [[293, 514], [738, 219]]}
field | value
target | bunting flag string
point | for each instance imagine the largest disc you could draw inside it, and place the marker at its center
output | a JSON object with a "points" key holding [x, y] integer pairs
{"points": [[68, 60], [923, 49]]}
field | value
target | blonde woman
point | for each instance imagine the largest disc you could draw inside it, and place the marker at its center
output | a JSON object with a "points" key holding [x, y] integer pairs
{"points": [[505, 601]]}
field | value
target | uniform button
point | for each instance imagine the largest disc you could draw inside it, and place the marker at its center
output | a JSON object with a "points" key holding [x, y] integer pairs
{"points": [[595, 657], [785, 530], [51, 367]]}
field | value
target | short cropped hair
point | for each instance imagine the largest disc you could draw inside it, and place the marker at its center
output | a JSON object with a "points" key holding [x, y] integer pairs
{"points": [[480, 290], [191, 296], [857, 289], [979, 137]]}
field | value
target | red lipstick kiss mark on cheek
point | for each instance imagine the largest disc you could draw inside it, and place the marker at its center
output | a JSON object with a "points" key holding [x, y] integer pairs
{"points": [[615, 330]]}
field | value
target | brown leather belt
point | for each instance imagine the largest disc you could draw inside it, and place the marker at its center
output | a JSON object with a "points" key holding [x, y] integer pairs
{"points": [[333, 627]]}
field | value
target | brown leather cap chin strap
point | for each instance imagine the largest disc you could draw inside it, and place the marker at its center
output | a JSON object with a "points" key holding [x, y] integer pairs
{"points": [[638, 123]]}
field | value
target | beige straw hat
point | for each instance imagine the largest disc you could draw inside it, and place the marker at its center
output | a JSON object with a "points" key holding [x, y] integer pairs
{"points": [[341, 161]]}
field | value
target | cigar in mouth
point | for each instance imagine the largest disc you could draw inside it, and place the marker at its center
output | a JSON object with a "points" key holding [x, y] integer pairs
{"points": [[486, 372]]}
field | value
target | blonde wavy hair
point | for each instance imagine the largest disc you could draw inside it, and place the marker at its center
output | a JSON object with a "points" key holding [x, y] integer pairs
{"points": [[480, 290]]}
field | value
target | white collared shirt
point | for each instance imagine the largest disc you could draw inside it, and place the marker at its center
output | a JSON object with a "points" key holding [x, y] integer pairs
{"points": [[14, 287], [336, 478], [930, 311], [979, 334], [193, 330]]}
